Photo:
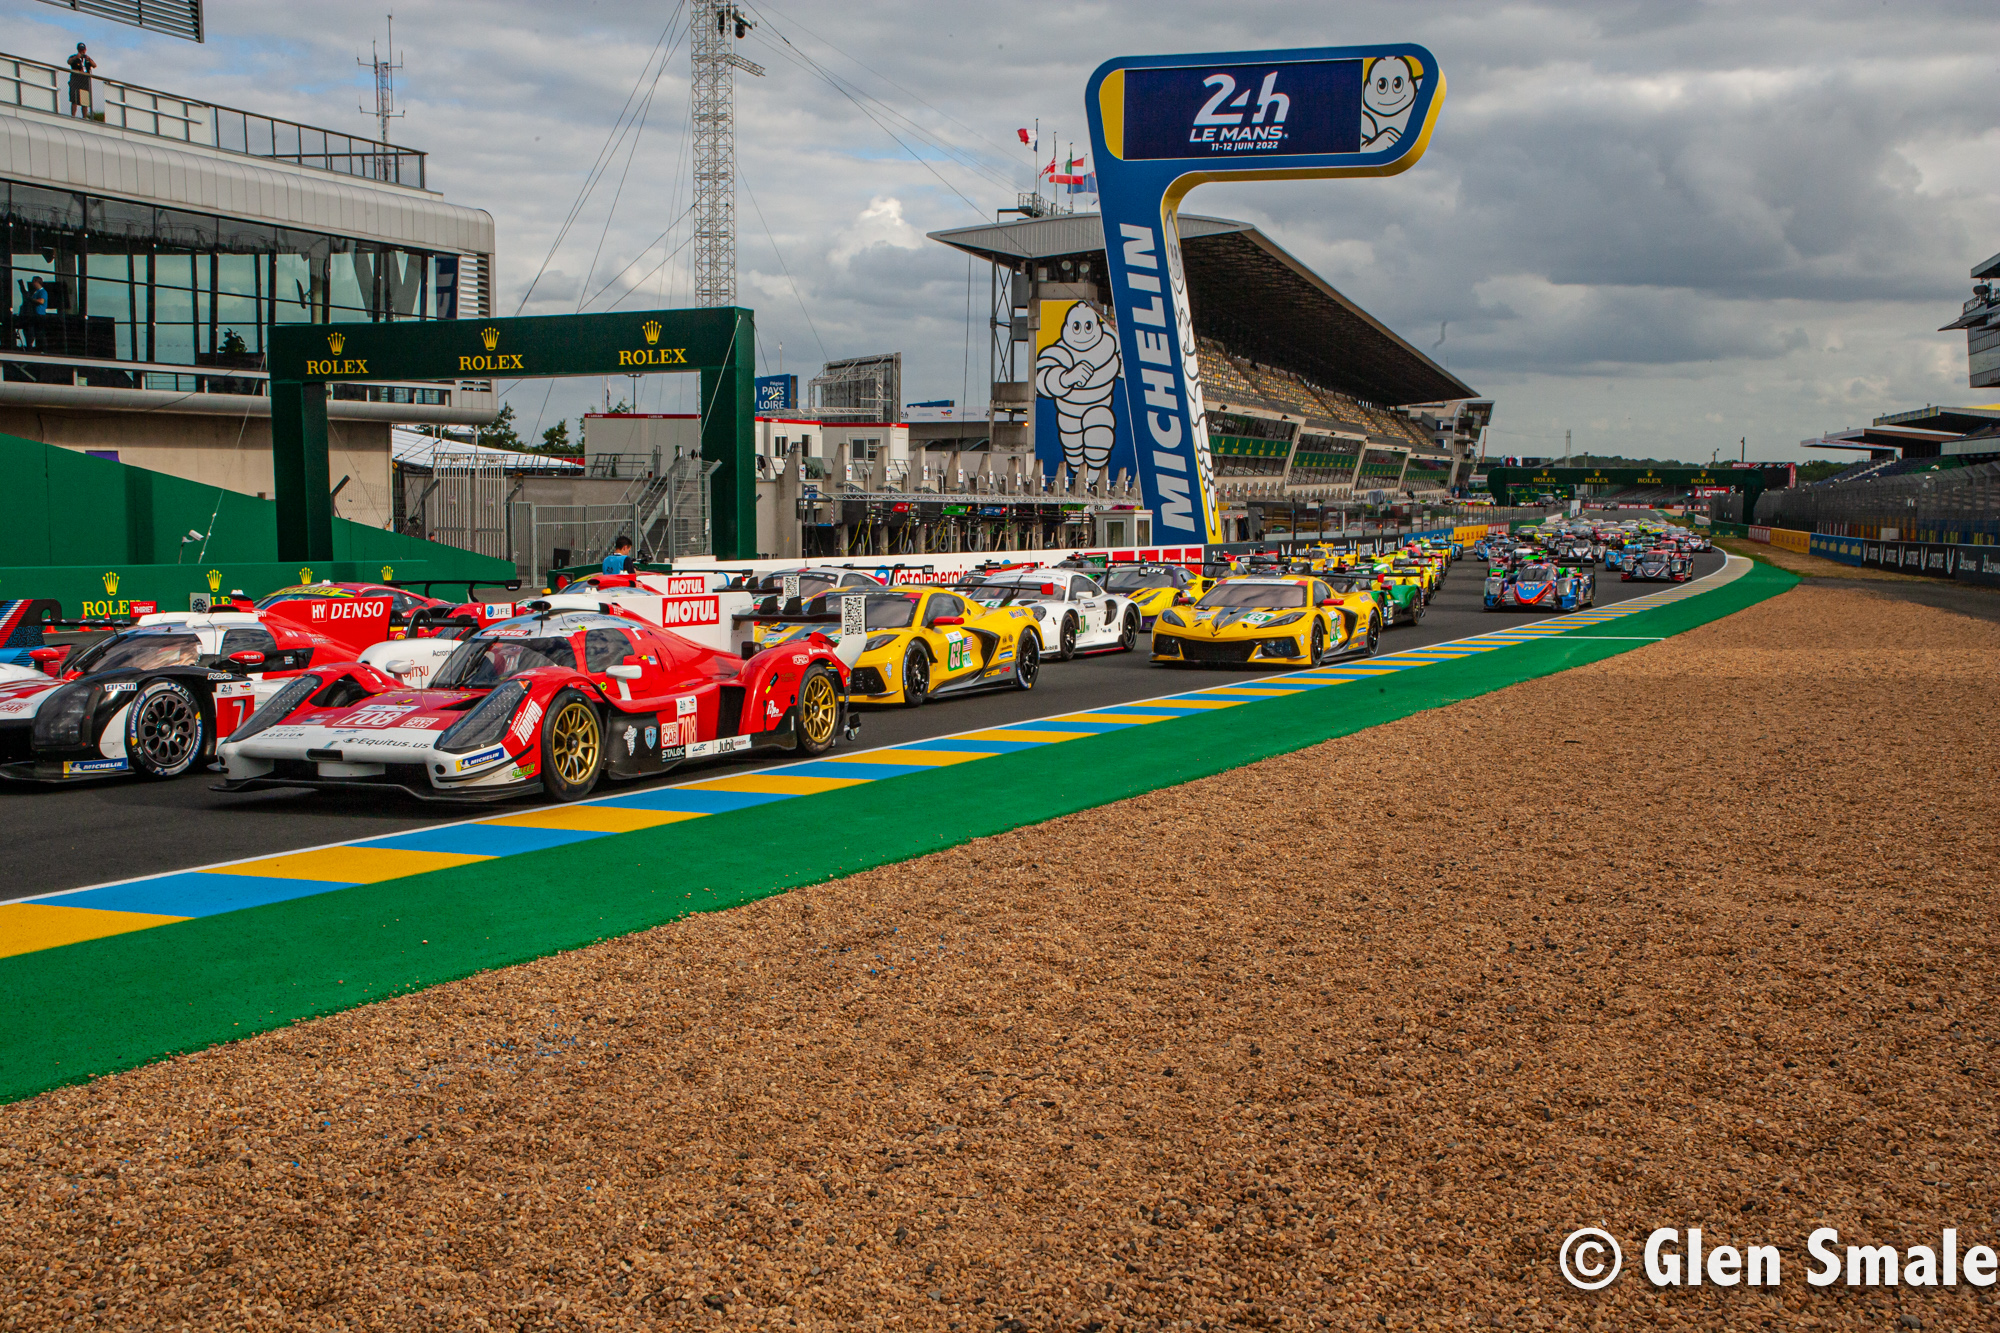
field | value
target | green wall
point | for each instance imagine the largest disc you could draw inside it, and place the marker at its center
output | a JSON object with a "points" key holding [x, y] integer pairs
{"points": [[67, 520]]}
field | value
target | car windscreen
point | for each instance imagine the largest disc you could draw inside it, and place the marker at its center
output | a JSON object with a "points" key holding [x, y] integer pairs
{"points": [[1254, 594], [141, 650], [891, 611], [484, 662], [1536, 573], [1133, 580]]}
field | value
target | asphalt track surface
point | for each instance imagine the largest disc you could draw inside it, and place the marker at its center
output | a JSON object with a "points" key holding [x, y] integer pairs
{"points": [[69, 837]]}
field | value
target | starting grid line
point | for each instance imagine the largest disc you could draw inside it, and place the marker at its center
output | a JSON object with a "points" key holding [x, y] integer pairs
{"points": [[52, 920]]}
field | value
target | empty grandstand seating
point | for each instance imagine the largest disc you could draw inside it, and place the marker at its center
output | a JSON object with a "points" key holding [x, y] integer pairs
{"points": [[1866, 468]]}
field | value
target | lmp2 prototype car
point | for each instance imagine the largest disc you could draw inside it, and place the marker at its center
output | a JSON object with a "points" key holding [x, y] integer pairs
{"points": [[1661, 564], [1541, 587], [1070, 607], [1261, 619], [551, 702], [154, 699]]}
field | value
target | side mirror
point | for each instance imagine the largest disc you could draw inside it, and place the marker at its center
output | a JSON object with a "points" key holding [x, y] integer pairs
{"points": [[401, 666], [623, 671], [947, 620], [1331, 601], [49, 659], [249, 657]]}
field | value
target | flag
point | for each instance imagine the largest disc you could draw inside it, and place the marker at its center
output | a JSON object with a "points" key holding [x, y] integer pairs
{"points": [[1024, 136], [1076, 171], [1084, 184]]}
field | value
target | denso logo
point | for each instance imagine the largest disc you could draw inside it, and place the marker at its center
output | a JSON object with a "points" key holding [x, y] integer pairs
{"points": [[358, 608], [691, 611]]}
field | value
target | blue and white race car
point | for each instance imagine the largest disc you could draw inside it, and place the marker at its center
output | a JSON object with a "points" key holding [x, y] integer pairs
{"points": [[1540, 587]]}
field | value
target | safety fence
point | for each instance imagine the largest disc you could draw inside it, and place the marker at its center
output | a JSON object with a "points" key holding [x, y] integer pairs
{"points": [[1944, 505], [1963, 562]]}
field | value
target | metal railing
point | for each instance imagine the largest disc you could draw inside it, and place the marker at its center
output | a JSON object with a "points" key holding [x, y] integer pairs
{"points": [[35, 85], [1963, 501]]}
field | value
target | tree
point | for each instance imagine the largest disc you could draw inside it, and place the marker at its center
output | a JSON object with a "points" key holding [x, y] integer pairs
{"points": [[555, 440], [500, 434]]}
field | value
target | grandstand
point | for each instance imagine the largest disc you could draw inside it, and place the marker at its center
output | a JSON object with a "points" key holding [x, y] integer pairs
{"points": [[1301, 384]]}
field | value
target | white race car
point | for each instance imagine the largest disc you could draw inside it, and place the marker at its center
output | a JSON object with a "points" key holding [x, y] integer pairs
{"points": [[1077, 616]]}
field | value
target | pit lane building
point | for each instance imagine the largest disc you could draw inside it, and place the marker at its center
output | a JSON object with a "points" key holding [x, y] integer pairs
{"points": [[1312, 401], [171, 238]]}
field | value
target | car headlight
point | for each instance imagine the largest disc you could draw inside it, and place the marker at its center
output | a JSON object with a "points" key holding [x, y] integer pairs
{"points": [[278, 707], [1172, 617], [1291, 619], [484, 725], [60, 720], [877, 642], [1041, 612]]}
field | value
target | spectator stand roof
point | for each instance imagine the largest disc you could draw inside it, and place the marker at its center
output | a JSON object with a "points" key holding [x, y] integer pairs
{"points": [[1251, 296], [414, 449]]}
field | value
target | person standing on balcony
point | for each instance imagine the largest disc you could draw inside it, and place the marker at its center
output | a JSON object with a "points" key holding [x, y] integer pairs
{"points": [[80, 66], [34, 309]]}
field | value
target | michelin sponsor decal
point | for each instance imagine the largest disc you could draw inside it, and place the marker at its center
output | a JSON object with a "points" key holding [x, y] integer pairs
{"points": [[481, 759], [79, 767]]}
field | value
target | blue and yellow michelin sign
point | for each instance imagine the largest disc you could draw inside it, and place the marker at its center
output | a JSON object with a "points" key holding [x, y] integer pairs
{"points": [[1162, 125]]}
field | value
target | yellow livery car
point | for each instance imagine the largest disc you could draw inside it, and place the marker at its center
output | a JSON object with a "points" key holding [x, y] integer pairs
{"points": [[1276, 620], [929, 642]]}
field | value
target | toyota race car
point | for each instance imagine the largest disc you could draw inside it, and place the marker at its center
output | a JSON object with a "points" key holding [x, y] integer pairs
{"points": [[552, 702], [154, 699]]}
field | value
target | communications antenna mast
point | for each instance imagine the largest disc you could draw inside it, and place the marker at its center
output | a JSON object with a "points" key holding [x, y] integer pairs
{"points": [[383, 67], [718, 27]]}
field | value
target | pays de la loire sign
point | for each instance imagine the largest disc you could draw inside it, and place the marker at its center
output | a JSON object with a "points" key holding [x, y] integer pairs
{"points": [[1161, 125]]}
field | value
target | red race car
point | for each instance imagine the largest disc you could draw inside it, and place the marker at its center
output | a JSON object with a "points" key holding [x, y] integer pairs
{"points": [[402, 602], [551, 702]]}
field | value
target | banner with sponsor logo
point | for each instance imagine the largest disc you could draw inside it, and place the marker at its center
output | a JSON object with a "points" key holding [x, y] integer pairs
{"points": [[1082, 420], [1159, 126]]}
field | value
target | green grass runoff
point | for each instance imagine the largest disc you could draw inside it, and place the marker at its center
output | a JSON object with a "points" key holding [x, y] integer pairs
{"points": [[103, 1005]]}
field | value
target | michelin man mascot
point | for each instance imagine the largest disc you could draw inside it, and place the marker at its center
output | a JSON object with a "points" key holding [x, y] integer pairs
{"points": [[1386, 99], [1080, 372]]}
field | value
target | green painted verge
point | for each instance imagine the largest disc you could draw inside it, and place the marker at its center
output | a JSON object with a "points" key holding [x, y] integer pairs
{"points": [[104, 1005]]}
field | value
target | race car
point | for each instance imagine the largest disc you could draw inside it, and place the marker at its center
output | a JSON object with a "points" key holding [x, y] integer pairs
{"points": [[403, 603], [926, 642], [1401, 598], [1154, 588], [1661, 564], [1077, 614], [1541, 587], [552, 702], [1264, 620], [154, 699]]}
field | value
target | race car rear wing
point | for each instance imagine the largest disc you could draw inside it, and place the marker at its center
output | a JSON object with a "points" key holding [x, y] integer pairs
{"points": [[425, 585], [844, 621]]}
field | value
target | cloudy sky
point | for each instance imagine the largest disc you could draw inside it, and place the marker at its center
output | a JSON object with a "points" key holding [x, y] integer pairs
{"points": [[1663, 225]]}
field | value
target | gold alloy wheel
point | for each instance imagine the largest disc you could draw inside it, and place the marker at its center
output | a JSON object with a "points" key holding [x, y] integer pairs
{"points": [[574, 743], [819, 708]]}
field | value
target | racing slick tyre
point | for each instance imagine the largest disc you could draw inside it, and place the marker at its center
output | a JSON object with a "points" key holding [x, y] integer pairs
{"points": [[165, 733], [1417, 609], [916, 676], [1318, 649], [1374, 635], [572, 747], [1027, 662], [1066, 639], [1128, 638], [819, 710]]}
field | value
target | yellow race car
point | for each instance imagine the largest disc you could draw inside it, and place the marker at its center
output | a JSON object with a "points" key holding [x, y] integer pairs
{"points": [[1154, 587], [1285, 619], [930, 642]]}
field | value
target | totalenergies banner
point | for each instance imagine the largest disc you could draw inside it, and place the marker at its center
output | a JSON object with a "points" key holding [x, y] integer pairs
{"points": [[1082, 420], [1162, 125]]}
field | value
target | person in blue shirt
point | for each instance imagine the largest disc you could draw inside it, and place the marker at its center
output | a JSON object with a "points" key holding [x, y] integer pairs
{"points": [[34, 309], [620, 559]]}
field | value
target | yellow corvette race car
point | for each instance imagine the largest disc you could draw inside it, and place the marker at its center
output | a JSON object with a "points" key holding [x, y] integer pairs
{"points": [[930, 642], [1286, 619], [1154, 587]]}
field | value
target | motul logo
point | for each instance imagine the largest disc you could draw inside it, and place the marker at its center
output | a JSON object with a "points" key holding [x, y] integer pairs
{"points": [[690, 611], [686, 585]]}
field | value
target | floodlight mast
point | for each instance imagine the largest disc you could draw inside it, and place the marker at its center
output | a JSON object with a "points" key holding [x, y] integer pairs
{"points": [[718, 26]]}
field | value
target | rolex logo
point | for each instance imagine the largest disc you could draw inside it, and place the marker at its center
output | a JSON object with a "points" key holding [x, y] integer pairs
{"points": [[305, 574], [651, 328], [335, 341], [490, 336], [215, 580], [388, 572], [111, 582]]}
